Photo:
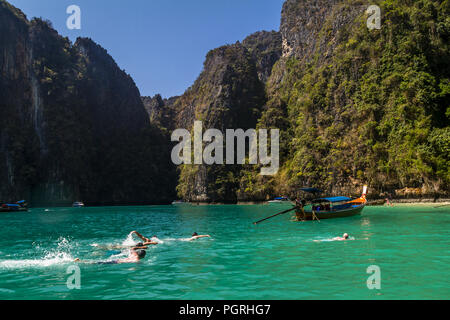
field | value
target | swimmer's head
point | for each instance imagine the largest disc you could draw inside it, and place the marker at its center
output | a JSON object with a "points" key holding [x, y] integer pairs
{"points": [[345, 235], [141, 254], [154, 237], [140, 244], [195, 234]]}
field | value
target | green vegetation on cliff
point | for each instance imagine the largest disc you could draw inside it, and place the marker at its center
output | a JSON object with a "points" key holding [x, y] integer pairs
{"points": [[376, 111], [354, 106]]}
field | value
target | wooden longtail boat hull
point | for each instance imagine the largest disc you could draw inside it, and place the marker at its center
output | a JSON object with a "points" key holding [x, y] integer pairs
{"points": [[336, 214]]}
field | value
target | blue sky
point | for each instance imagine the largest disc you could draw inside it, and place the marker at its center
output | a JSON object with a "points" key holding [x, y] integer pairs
{"points": [[161, 43]]}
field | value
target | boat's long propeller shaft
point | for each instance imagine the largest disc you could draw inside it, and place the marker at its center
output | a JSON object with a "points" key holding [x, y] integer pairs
{"points": [[278, 214]]}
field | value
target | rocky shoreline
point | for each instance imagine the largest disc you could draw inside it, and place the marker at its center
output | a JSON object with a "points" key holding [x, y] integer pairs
{"points": [[376, 202]]}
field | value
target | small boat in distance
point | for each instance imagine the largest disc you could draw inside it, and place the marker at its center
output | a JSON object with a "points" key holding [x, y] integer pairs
{"points": [[19, 206], [281, 202], [78, 204], [180, 203]]}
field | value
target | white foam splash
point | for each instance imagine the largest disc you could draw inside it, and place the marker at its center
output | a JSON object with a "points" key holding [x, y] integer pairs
{"points": [[45, 262], [58, 256], [155, 239], [129, 241]]}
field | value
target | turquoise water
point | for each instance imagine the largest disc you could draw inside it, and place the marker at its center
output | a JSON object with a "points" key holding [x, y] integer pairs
{"points": [[277, 259]]}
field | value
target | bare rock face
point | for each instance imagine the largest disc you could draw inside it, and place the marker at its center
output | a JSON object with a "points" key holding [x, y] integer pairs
{"points": [[304, 22], [117, 99], [228, 93], [26, 85], [301, 22], [160, 111], [266, 49], [153, 106], [17, 135]]}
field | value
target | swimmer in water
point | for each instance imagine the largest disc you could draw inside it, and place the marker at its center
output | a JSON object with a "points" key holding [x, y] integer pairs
{"points": [[343, 238], [136, 254], [195, 236], [147, 241]]}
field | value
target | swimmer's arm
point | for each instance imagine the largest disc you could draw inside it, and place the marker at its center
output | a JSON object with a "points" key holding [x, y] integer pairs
{"points": [[150, 243], [198, 237], [141, 236]]}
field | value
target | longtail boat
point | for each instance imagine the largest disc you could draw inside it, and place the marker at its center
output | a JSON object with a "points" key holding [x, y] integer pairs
{"points": [[19, 206], [324, 208], [332, 207]]}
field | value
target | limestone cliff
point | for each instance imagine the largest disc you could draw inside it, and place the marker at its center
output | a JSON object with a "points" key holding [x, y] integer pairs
{"points": [[227, 95], [73, 126], [266, 49], [362, 106]]}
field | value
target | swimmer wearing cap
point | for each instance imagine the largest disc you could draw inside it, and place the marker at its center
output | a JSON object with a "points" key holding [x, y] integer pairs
{"points": [[343, 238]]}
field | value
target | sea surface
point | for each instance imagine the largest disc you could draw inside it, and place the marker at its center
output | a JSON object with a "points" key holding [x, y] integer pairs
{"points": [[277, 259]]}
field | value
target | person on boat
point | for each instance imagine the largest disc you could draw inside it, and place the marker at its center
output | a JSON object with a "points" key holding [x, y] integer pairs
{"points": [[147, 241], [300, 211], [196, 236], [343, 238], [136, 254]]}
